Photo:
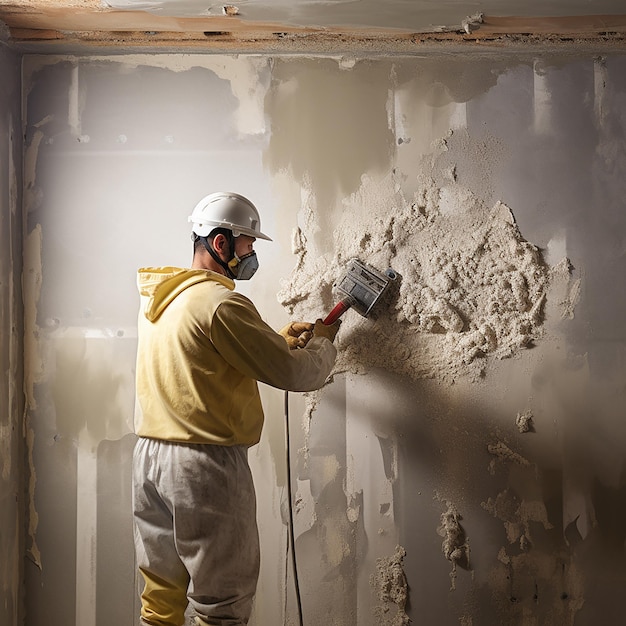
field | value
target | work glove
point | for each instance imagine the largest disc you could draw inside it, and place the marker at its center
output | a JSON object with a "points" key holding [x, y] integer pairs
{"points": [[297, 334], [322, 330]]}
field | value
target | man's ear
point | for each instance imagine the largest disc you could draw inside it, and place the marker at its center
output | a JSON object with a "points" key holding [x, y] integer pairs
{"points": [[220, 243]]}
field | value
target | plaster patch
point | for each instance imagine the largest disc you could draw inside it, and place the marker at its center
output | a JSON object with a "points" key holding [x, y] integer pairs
{"points": [[304, 505], [311, 402], [565, 289], [571, 300], [504, 453], [76, 103], [330, 469], [391, 587], [517, 516], [31, 285], [244, 73], [455, 545], [336, 547], [353, 511], [524, 422], [470, 286], [32, 549], [533, 587], [32, 193]]}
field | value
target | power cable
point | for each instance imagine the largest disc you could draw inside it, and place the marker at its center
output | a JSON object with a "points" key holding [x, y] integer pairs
{"points": [[292, 540]]}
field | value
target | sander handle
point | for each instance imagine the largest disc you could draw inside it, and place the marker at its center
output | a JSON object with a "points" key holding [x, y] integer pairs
{"points": [[339, 309]]}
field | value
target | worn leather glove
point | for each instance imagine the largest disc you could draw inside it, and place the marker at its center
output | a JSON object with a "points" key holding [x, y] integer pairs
{"points": [[297, 334], [330, 332]]}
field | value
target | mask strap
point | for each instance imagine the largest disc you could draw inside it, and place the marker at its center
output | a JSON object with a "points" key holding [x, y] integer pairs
{"points": [[211, 251], [236, 260]]}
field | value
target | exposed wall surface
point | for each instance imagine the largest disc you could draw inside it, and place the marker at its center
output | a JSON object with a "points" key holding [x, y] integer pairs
{"points": [[465, 464], [11, 448]]}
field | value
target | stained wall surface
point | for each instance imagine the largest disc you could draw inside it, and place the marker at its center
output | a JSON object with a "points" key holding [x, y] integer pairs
{"points": [[465, 464], [11, 448]]}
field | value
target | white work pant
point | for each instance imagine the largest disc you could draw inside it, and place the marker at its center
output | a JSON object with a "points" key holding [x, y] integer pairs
{"points": [[196, 536]]}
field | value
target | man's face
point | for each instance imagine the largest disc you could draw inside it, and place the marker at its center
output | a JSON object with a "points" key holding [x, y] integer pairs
{"points": [[244, 245]]}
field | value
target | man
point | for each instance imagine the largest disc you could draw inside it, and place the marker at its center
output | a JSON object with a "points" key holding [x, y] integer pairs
{"points": [[201, 350]]}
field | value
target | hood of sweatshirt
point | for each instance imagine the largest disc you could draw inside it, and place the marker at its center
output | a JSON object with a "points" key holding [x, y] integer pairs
{"points": [[160, 285]]}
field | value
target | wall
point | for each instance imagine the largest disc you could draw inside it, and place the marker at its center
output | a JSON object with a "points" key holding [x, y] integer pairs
{"points": [[468, 452], [11, 329]]}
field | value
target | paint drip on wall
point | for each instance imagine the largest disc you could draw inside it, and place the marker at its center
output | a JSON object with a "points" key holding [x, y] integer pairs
{"points": [[470, 286], [390, 584]]}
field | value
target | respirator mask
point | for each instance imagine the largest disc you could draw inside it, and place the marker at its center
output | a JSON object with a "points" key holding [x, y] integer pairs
{"points": [[245, 267], [241, 268]]}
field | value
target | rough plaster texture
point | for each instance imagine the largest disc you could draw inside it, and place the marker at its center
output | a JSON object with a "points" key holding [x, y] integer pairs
{"points": [[11, 330], [385, 463]]}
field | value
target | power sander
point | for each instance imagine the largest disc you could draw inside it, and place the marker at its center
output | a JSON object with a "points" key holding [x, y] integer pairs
{"points": [[360, 289]]}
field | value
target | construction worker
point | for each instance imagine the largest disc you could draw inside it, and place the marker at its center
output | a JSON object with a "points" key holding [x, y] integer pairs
{"points": [[202, 347]]}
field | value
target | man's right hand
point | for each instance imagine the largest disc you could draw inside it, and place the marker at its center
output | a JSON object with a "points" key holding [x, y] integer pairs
{"points": [[297, 334], [322, 330]]}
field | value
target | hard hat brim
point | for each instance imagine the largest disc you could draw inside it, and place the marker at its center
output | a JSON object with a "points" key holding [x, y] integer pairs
{"points": [[204, 230]]}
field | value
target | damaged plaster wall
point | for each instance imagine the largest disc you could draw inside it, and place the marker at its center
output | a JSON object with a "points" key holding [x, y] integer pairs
{"points": [[546, 138], [11, 332], [464, 465]]}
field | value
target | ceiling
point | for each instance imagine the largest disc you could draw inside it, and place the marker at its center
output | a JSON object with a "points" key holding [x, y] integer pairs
{"points": [[302, 25]]}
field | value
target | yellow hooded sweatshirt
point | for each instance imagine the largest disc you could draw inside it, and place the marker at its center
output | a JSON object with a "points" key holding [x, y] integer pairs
{"points": [[201, 350]]}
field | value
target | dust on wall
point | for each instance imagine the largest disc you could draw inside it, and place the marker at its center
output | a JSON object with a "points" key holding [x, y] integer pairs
{"points": [[469, 285]]}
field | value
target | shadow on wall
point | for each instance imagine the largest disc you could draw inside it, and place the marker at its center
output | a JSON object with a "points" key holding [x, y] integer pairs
{"points": [[540, 515]]}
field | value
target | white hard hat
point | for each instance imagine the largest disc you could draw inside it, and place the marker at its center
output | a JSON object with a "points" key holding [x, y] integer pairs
{"points": [[226, 210]]}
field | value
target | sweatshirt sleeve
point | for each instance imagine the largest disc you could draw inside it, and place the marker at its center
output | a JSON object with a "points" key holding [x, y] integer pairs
{"points": [[253, 348]]}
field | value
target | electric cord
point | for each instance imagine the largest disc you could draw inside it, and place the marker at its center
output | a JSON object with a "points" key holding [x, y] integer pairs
{"points": [[292, 540]]}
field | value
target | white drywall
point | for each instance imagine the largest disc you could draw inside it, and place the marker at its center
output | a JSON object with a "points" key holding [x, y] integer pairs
{"points": [[416, 442]]}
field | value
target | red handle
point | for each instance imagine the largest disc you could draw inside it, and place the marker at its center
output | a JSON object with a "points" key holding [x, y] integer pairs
{"points": [[337, 312]]}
